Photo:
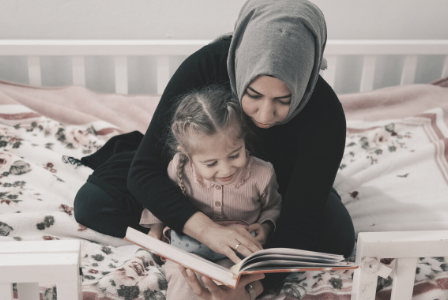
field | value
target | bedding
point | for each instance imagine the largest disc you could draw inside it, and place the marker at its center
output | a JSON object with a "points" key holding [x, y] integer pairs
{"points": [[394, 176]]}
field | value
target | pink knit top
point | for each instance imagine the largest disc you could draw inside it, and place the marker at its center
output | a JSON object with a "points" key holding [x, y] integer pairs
{"points": [[252, 197]]}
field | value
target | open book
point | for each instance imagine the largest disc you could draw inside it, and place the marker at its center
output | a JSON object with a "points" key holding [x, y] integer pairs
{"points": [[272, 260]]}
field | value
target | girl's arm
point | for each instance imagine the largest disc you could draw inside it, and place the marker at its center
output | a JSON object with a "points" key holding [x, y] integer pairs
{"points": [[271, 202], [156, 231], [156, 226]]}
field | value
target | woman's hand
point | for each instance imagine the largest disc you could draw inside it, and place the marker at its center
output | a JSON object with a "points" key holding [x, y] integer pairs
{"points": [[212, 291], [228, 240], [224, 240], [262, 231], [156, 231]]}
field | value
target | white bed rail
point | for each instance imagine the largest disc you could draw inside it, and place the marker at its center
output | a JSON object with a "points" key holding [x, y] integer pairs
{"points": [[121, 49], [406, 247], [29, 263]]}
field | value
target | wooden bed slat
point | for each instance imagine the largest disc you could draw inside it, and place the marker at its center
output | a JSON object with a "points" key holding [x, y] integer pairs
{"points": [[410, 66], [28, 291], [404, 278], [368, 73], [121, 74], [330, 73], [79, 70], [68, 290], [445, 67], [163, 72], [364, 285], [34, 72], [6, 291]]}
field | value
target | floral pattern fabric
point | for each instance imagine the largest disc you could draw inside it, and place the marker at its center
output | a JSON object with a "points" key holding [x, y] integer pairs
{"points": [[40, 173]]}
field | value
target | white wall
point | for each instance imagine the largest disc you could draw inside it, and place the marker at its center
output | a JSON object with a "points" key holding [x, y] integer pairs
{"points": [[201, 19]]}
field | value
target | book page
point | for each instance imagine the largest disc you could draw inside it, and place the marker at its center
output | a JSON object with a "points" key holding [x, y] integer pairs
{"points": [[188, 260], [294, 256], [302, 269], [297, 252], [278, 264]]}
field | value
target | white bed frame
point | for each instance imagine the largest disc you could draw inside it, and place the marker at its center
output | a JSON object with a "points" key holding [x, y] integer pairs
{"points": [[407, 247], [163, 49]]}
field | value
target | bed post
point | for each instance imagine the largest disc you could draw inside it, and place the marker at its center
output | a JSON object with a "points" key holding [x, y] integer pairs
{"points": [[406, 247]]}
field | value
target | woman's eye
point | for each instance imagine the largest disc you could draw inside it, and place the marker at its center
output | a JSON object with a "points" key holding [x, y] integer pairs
{"points": [[235, 156], [253, 96], [212, 164], [284, 102]]}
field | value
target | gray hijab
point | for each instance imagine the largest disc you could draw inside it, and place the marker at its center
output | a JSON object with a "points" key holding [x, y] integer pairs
{"points": [[280, 38]]}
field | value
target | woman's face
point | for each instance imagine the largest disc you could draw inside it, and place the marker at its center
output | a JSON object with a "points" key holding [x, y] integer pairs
{"points": [[266, 101]]}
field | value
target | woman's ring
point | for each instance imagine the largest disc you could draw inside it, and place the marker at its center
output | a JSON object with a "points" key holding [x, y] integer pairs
{"points": [[251, 291], [236, 248]]}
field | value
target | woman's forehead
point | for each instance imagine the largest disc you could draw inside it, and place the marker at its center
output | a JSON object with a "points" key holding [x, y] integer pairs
{"points": [[269, 83]]}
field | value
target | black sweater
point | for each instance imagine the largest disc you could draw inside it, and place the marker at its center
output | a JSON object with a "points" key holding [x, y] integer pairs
{"points": [[305, 152]]}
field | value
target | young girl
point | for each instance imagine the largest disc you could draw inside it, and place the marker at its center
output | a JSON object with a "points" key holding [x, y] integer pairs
{"points": [[214, 170]]}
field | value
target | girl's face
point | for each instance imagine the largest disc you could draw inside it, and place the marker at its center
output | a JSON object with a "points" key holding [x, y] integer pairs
{"points": [[218, 158], [266, 101]]}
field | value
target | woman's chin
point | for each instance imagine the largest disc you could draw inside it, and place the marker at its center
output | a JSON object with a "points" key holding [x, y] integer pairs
{"points": [[262, 125]]}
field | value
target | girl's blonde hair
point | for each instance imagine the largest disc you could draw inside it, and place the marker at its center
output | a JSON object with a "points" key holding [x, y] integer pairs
{"points": [[206, 111]]}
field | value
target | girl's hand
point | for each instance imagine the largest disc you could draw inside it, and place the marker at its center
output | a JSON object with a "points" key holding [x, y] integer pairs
{"points": [[262, 230], [156, 231], [212, 291]]}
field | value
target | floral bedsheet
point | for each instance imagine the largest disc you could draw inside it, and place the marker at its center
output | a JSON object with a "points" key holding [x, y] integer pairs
{"points": [[40, 174]]}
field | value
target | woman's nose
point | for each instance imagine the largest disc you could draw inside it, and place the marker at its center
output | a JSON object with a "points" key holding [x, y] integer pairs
{"points": [[266, 112]]}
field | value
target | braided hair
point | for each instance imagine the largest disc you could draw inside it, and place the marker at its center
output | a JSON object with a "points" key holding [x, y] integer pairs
{"points": [[207, 111]]}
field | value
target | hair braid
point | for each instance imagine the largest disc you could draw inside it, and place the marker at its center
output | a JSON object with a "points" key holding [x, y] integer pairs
{"points": [[180, 168]]}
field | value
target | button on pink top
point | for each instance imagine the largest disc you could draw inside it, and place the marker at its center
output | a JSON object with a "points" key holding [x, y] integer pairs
{"points": [[251, 197]]}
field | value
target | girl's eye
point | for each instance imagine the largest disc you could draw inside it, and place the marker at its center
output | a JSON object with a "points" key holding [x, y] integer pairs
{"points": [[235, 156], [212, 164]]}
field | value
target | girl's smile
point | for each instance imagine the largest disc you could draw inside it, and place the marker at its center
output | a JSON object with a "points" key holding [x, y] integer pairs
{"points": [[226, 178], [218, 158]]}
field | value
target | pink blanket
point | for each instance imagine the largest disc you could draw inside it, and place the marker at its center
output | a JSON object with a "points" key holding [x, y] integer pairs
{"points": [[396, 142], [76, 105]]}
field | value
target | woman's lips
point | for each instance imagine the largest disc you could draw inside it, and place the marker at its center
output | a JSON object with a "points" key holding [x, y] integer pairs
{"points": [[262, 125], [225, 178]]}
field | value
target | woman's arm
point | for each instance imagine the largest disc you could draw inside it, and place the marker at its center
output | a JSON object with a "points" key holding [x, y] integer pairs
{"points": [[148, 180]]}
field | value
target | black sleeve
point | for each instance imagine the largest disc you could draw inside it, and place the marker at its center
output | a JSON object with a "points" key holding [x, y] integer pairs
{"points": [[321, 142], [148, 179]]}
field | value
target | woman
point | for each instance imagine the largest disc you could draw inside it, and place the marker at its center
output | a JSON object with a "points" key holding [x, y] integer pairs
{"points": [[272, 64]]}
